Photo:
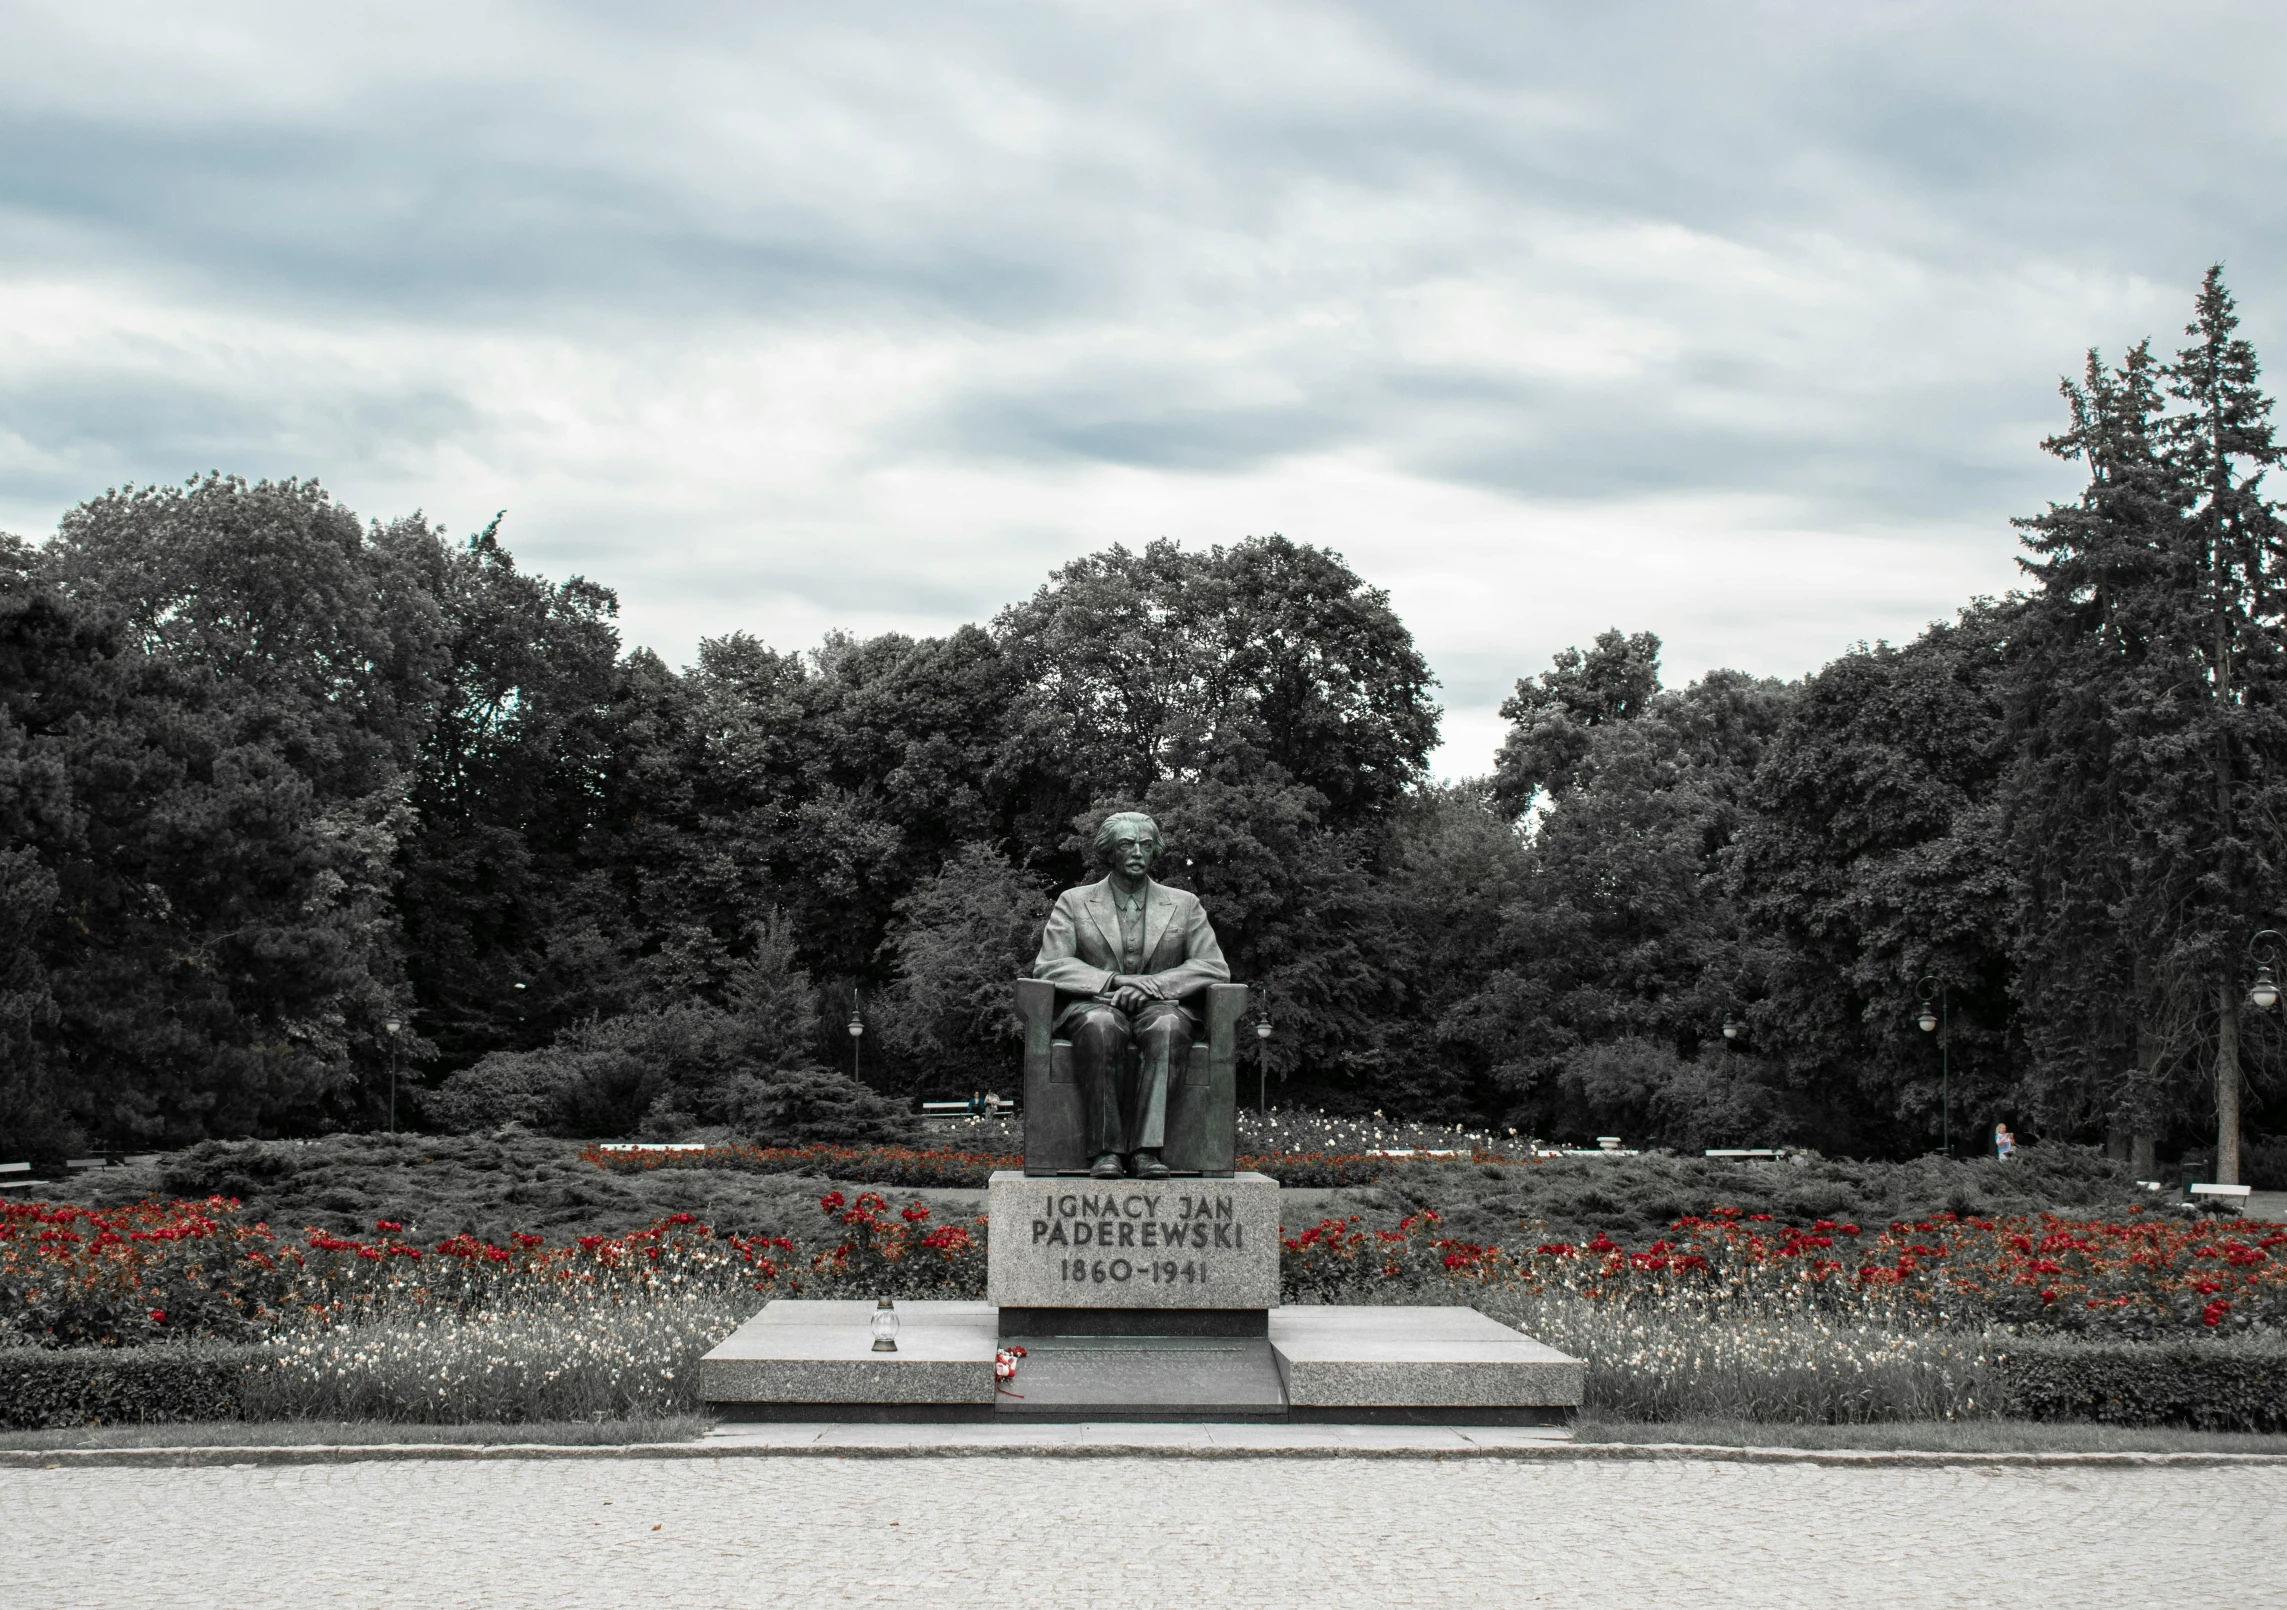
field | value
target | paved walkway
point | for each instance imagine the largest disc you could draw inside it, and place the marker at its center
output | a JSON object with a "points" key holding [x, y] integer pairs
{"points": [[948, 1532]]}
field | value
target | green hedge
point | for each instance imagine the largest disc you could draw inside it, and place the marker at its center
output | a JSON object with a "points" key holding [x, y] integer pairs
{"points": [[45, 1389], [2213, 1384]]}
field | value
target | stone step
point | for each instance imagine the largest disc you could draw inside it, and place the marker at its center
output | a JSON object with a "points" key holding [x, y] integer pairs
{"points": [[813, 1361], [1117, 1378]]}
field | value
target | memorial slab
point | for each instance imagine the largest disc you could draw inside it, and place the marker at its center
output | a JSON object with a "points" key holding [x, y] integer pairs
{"points": [[1171, 1244], [817, 1358], [1446, 1364]]}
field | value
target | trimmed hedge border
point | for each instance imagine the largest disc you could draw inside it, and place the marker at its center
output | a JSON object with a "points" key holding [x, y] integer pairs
{"points": [[48, 1389], [2219, 1384], [2236, 1383]]}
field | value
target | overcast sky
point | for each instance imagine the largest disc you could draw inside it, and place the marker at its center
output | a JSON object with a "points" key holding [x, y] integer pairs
{"points": [[1736, 322]]}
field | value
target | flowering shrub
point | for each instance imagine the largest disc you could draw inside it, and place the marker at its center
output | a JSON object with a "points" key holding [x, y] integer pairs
{"points": [[2146, 1277], [162, 1270]]}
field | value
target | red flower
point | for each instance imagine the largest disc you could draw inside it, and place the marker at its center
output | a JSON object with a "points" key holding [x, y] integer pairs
{"points": [[914, 1214], [391, 1225], [159, 1317], [2048, 1296], [2214, 1312], [832, 1202]]}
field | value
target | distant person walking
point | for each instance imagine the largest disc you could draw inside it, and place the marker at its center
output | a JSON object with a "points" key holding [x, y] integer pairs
{"points": [[2003, 1142]]}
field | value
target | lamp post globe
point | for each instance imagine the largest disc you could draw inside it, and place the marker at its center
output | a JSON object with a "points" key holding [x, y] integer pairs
{"points": [[1733, 1028], [2265, 995], [1928, 1020]]}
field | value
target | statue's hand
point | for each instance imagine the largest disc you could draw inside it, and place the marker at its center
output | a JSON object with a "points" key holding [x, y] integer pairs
{"points": [[1129, 997]]}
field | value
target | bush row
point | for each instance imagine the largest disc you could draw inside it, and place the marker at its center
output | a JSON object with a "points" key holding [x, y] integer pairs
{"points": [[2227, 1384], [2223, 1384], [43, 1389]]}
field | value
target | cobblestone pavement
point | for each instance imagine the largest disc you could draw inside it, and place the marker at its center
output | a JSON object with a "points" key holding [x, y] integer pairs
{"points": [[941, 1533]]}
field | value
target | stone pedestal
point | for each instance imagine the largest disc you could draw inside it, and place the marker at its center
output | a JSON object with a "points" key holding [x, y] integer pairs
{"points": [[1179, 1246], [1136, 1300], [811, 1361]]}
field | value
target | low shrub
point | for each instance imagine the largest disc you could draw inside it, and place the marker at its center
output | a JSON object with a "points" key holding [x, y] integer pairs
{"points": [[2236, 1383], [45, 1388], [904, 1167]]}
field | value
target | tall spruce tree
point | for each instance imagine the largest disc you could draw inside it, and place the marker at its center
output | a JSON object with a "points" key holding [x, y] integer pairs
{"points": [[2146, 801], [2099, 709], [2220, 446]]}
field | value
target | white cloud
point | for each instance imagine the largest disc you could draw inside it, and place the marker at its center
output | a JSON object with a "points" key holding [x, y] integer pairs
{"points": [[1740, 324]]}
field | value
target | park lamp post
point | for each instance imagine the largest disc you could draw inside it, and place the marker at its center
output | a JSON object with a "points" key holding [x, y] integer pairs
{"points": [[1734, 1028], [2263, 994], [857, 1032], [1933, 1019], [392, 1025], [1263, 1060]]}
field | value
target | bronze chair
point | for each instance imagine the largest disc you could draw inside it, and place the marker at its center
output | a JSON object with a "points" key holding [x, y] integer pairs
{"points": [[1202, 1105]]}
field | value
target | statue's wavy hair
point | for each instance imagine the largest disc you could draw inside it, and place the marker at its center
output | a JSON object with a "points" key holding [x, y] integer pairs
{"points": [[1109, 828]]}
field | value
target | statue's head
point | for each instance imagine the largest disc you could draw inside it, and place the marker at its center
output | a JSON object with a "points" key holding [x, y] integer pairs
{"points": [[1129, 842]]}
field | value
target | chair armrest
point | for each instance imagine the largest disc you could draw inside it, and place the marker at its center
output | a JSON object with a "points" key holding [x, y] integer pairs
{"points": [[1226, 1003]]}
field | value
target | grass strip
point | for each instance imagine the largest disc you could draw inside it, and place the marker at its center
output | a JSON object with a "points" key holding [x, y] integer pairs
{"points": [[362, 1434], [1927, 1436]]}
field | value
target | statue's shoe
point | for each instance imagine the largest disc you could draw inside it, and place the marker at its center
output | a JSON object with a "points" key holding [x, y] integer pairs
{"points": [[1106, 1167], [1149, 1167]]}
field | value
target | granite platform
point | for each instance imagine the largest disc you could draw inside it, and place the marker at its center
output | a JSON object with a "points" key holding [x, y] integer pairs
{"points": [[813, 1362]]}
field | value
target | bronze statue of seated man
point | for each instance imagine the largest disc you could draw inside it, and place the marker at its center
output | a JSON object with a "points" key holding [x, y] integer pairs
{"points": [[1124, 954]]}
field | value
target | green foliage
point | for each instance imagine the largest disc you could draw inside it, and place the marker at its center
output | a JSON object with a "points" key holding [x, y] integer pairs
{"points": [[1622, 948], [489, 1186], [167, 1384], [2229, 1383], [1640, 1197], [2153, 709], [270, 779], [1872, 854], [959, 939], [670, 1070], [1551, 719], [211, 713]]}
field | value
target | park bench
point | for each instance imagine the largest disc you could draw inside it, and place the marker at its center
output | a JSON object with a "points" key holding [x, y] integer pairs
{"points": [[16, 1185], [1745, 1154], [990, 1107], [2220, 1190]]}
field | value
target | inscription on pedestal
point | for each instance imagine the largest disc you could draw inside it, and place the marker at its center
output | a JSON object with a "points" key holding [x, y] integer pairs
{"points": [[1186, 1243]]}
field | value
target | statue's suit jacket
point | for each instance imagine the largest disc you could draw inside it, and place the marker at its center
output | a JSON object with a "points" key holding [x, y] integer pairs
{"points": [[1080, 950]]}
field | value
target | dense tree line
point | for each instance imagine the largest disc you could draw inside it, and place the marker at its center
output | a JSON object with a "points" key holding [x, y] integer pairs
{"points": [[272, 780]]}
